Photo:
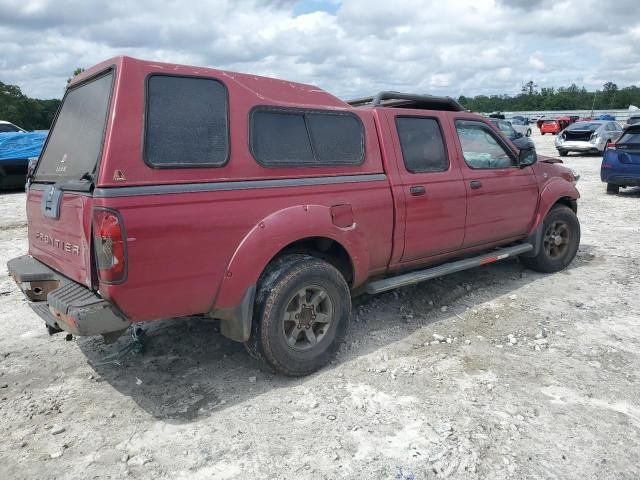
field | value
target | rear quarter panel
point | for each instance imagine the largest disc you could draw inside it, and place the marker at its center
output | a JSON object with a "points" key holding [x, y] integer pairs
{"points": [[180, 246]]}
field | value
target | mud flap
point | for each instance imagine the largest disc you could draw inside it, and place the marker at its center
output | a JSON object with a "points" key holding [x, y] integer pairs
{"points": [[235, 323], [534, 239]]}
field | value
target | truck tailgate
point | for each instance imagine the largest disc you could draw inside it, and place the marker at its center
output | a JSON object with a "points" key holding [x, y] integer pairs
{"points": [[63, 243]]}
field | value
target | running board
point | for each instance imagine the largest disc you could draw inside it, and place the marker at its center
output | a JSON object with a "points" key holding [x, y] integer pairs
{"points": [[385, 284]]}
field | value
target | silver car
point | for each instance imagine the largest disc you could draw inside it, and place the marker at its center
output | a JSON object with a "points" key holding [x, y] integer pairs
{"points": [[589, 136], [521, 126]]}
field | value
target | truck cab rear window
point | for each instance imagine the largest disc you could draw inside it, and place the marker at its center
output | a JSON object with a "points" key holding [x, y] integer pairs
{"points": [[186, 122], [294, 137], [75, 141], [422, 145]]}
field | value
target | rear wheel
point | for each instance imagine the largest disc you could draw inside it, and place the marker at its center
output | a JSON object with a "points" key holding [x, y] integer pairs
{"points": [[613, 189], [560, 241], [529, 132], [301, 314], [542, 133]]}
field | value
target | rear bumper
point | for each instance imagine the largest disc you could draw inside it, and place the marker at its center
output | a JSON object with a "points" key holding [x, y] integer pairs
{"points": [[624, 180], [578, 146], [64, 304]]}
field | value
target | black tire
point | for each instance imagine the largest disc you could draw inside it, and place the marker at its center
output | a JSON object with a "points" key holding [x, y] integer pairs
{"points": [[528, 132], [563, 153], [542, 133], [613, 189], [274, 326], [554, 256]]}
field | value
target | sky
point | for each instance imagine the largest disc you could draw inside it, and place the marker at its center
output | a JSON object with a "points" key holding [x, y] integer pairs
{"points": [[350, 48]]}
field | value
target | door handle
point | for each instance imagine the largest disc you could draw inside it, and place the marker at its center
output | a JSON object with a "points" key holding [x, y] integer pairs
{"points": [[475, 184], [417, 190]]}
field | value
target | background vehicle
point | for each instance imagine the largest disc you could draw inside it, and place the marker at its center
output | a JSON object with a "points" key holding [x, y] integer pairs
{"points": [[519, 139], [591, 136], [279, 202], [634, 118], [7, 127], [550, 126], [621, 161], [16, 148], [521, 125]]}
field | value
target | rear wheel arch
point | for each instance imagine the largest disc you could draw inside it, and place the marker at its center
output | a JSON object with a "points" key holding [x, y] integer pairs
{"points": [[324, 248], [301, 229]]}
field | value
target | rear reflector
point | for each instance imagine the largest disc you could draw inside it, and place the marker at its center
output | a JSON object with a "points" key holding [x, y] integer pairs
{"points": [[110, 245]]}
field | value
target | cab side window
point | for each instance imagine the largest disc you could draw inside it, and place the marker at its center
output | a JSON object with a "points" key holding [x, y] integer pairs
{"points": [[481, 148], [423, 148]]}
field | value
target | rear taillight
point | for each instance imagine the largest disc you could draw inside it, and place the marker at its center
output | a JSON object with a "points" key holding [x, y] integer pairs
{"points": [[110, 246], [611, 145]]}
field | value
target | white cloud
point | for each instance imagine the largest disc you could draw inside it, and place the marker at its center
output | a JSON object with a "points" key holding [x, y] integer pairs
{"points": [[536, 62], [351, 48]]}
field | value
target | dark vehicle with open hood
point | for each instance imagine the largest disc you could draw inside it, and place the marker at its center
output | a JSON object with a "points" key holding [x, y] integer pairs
{"points": [[169, 191]]}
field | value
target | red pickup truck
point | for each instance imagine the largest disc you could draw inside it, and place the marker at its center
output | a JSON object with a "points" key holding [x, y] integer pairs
{"points": [[167, 191]]}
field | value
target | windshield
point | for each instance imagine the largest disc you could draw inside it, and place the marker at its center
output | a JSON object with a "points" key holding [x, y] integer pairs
{"points": [[517, 121], [549, 122], [592, 127], [7, 127], [75, 141]]}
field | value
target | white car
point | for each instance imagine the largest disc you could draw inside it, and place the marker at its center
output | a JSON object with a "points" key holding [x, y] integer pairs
{"points": [[8, 127], [588, 136]]}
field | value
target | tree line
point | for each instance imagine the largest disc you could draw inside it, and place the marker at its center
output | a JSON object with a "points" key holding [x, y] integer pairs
{"points": [[28, 113], [549, 98], [36, 114]]}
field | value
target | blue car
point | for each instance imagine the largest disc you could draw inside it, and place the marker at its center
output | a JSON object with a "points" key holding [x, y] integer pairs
{"points": [[621, 161]]}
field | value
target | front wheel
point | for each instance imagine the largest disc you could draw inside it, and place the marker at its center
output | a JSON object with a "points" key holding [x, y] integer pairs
{"points": [[563, 153], [301, 314], [560, 241], [528, 132]]}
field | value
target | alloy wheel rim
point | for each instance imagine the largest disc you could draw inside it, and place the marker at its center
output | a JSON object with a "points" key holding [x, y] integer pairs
{"points": [[307, 318], [556, 240]]}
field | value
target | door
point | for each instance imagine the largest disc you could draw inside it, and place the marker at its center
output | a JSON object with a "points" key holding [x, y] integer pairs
{"points": [[431, 186], [501, 197]]}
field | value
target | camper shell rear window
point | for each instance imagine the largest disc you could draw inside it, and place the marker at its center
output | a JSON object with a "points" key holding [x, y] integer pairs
{"points": [[75, 142]]}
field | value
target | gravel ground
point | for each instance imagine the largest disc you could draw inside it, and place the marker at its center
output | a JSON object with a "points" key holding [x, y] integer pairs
{"points": [[534, 376]]}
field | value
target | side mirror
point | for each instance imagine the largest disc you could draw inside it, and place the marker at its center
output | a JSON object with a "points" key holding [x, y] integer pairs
{"points": [[519, 135], [527, 157]]}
